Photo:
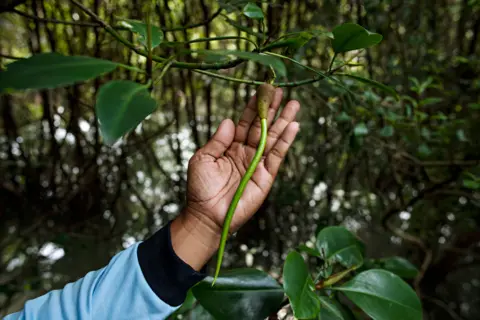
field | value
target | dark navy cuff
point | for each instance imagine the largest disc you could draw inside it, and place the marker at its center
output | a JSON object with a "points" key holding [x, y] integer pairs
{"points": [[168, 275]]}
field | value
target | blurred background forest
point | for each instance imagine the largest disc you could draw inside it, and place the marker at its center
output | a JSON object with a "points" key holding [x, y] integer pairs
{"points": [[403, 175]]}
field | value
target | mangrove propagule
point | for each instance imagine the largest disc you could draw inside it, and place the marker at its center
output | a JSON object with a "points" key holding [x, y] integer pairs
{"points": [[265, 95]]}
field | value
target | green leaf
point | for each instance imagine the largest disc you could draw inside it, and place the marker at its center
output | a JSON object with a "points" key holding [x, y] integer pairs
{"points": [[240, 294], [331, 309], [400, 266], [360, 129], [186, 306], [429, 101], [470, 184], [267, 60], [424, 149], [51, 70], [299, 287], [252, 11], [372, 83], [387, 131], [140, 28], [383, 295], [232, 5], [343, 117], [199, 313], [474, 106], [340, 245], [461, 135], [351, 36], [291, 42], [121, 106], [310, 251]]}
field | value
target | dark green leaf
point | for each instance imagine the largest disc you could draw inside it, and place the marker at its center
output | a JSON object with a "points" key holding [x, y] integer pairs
{"points": [[351, 36], [240, 294], [400, 266], [51, 70], [292, 42], [186, 306], [387, 131], [253, 11], [276, 63], [424, 149], [121, 106], [199, 313], [474, 105], [383, 295], [140, 28], [299, 287], [343, 117], [331, 309], [360, 129], [372, 83], [341, 246], [232, 5], [470, 184], [326, 271], [429, 101], [310, 251]]}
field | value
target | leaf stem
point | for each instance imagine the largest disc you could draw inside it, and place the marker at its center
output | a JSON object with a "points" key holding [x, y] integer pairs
{"points": [[331, 63]]}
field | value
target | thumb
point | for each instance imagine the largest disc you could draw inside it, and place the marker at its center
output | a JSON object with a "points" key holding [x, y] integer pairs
{"points": [[221, 140]]}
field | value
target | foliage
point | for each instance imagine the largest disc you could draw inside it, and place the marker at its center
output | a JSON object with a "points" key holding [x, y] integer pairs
{"points": [[252, 294], [387, 147]]}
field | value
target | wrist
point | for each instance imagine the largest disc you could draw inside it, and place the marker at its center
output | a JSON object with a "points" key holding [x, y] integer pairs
{"points": [[194, 238]]}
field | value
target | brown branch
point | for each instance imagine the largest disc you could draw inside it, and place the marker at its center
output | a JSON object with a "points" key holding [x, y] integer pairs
{"points": [[8, 5], [194, 25], [444, 163], [56, 21]]}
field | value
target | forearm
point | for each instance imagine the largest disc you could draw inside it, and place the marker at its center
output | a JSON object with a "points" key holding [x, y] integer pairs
{"points": [[146, 281]]}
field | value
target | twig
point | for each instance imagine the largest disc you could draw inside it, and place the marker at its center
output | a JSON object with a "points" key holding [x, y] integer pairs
{"points": [[444, 163], [44, 20], [175, 64], [194, 25], [444, 306], [6, 56], [254, 82]]}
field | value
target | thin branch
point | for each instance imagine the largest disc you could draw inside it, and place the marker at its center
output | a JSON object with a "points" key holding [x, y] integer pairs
{"points": [[175, 64], [99, 25], [254, 82], [214, 39], [44, 20], [444, 163], [6, 56], [195, 25]]}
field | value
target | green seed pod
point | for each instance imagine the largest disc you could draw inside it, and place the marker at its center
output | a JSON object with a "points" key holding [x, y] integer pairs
{"points": [[265, 94]]}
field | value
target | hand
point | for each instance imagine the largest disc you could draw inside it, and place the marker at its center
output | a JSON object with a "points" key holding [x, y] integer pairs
{"points": [[214, 173]]}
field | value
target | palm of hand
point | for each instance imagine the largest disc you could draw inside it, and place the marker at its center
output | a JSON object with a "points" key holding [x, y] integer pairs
{"points": [[217, 181], [216, 169]]}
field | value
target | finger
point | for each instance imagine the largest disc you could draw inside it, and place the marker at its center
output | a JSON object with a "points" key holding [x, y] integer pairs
{"points": [[221, 140], [248, 115], [255, 129], [279, 151], [288, 115]]}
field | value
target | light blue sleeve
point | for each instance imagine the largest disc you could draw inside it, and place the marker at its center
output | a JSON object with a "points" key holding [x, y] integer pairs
{"points": [[118, 291]]}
